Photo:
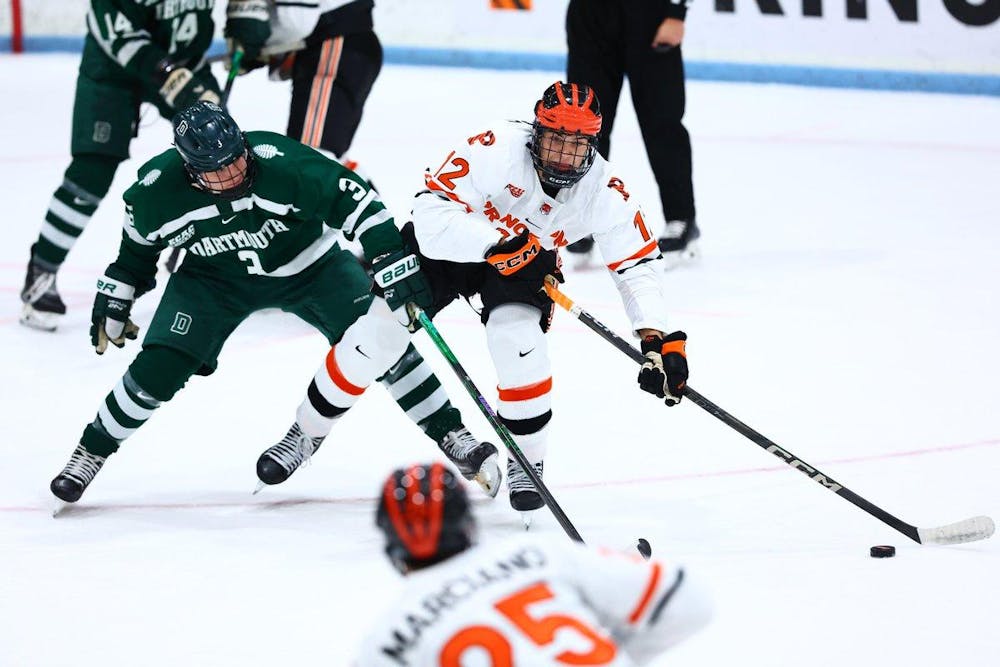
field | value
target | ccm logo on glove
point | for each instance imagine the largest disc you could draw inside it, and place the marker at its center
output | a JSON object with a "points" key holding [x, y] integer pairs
{"points": [[511, 256]]}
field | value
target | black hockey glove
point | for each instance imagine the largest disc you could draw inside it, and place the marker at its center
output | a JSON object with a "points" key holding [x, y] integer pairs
{"points": [[248, 26], [523, 259], [401, 282], [665, 371], [109, 319]]}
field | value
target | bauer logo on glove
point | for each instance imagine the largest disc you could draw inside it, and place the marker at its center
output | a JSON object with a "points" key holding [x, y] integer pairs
{"points": [[397, 270]]}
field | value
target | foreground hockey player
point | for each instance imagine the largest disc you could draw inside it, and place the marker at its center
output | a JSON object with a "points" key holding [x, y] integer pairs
{"points": [[135, 51], [494, 215], [259, 216], [525, 601]]}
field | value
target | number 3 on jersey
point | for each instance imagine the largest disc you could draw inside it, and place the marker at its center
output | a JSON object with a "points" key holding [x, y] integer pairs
{"points": [[541, 630]]}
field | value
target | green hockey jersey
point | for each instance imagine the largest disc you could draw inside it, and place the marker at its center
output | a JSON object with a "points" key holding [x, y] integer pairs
{"points": [[292, 217], [131, 37]]}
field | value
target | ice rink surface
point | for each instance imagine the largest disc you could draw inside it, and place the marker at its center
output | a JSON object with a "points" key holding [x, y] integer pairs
{"points": [[845, 307]]}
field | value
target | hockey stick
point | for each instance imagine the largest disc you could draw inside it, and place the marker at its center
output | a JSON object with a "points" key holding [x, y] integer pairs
{"points": [[969, 530], [234, 69], [416, 312]]}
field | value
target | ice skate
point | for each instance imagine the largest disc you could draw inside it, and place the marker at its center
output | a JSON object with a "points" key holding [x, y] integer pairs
{"points": [[475, 460], [279, 461], [679, 243], [524, 497], [70, 484], [43, 308]]}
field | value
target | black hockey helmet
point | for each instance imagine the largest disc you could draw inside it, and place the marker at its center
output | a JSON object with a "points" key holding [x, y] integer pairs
{"points": [[208, 140], [570, 110], [425, 515]]}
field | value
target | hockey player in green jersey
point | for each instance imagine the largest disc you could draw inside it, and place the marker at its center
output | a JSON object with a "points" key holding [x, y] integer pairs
{"points": [[135, 51], [259, 215]]}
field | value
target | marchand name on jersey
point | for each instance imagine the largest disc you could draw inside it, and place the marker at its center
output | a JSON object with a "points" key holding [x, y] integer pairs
{"points": [[453, 592], [214, 245]]}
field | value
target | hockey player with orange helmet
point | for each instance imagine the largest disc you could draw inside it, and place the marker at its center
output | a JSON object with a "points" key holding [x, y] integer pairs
{"points": [[491, 221], [530, 600]]}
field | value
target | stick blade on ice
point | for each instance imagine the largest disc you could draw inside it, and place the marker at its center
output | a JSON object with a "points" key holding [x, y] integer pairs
{"points": [[971, 530]]}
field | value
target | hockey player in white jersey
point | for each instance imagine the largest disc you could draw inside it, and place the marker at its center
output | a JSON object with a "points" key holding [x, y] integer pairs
{"points": [[491, 221], [528, 601]]}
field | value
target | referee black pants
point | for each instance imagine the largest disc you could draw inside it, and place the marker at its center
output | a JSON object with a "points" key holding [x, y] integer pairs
{"points": [[331, 80], [611, 39]]}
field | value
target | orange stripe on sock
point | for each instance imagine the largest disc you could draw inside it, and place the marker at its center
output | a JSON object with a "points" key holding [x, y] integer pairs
{"points": [[338, 378], [647, 595], [526, 392], [314, 93], [324, 98]]}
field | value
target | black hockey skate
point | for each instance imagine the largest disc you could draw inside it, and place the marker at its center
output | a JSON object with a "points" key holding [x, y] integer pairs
{"points": [[679, 242], [43, 308], [584, 245], [475, 460], [524, 497], [279, 461], [70, 484]]}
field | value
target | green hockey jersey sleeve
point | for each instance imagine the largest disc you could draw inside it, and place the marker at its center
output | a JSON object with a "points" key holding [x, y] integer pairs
{"points": [[137, 255], [346, 202], [140, 36]]}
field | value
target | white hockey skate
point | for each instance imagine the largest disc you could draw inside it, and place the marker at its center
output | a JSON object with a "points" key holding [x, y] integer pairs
{"points": [[475, 460]]}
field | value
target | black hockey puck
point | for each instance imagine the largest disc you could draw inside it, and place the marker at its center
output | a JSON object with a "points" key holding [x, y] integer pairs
{"points": [[644, 548], [882, 551]]}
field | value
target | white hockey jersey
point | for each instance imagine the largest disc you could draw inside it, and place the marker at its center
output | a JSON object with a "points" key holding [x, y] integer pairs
{"points": [[486, 189], [537, 601], [294, 20]]}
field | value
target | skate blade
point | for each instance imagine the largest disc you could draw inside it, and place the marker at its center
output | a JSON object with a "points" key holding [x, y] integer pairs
{"points": [[36, 319], [57, 506], [260, 485], [489, 476], [526, 518]]}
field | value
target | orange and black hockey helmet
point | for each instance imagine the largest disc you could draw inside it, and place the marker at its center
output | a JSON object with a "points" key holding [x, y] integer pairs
{"points": [[570, 110], [569, 107], [425, 516]]}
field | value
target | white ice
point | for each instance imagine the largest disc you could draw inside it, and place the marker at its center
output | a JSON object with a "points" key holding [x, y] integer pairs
{"points": [[845, 307]]}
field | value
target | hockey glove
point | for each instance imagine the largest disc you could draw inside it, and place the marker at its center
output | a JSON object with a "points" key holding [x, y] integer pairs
{"points": [[401, 282], [522, 258], [109, 320], [181, 89], [665, 371], [248, 26]]}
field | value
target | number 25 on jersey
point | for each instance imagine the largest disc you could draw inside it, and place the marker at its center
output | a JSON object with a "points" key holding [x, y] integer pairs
{"points": [[541, 630]]}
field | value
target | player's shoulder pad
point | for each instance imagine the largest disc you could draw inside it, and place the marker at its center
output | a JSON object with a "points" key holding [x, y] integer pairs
{"points": [[160, 176], [271, 146]]}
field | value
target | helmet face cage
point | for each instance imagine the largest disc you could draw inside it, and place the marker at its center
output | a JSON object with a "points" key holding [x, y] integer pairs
{"points": [[425, 516], [564, 135], [208, 140]]}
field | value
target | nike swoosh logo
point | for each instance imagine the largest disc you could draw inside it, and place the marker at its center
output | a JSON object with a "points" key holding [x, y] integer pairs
{"points": [[79, 202], [358, 348], [143, 396], [226, 221], [524, 354]]}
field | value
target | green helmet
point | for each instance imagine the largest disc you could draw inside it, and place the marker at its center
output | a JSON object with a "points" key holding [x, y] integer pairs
{"points": [[208, 139]]}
